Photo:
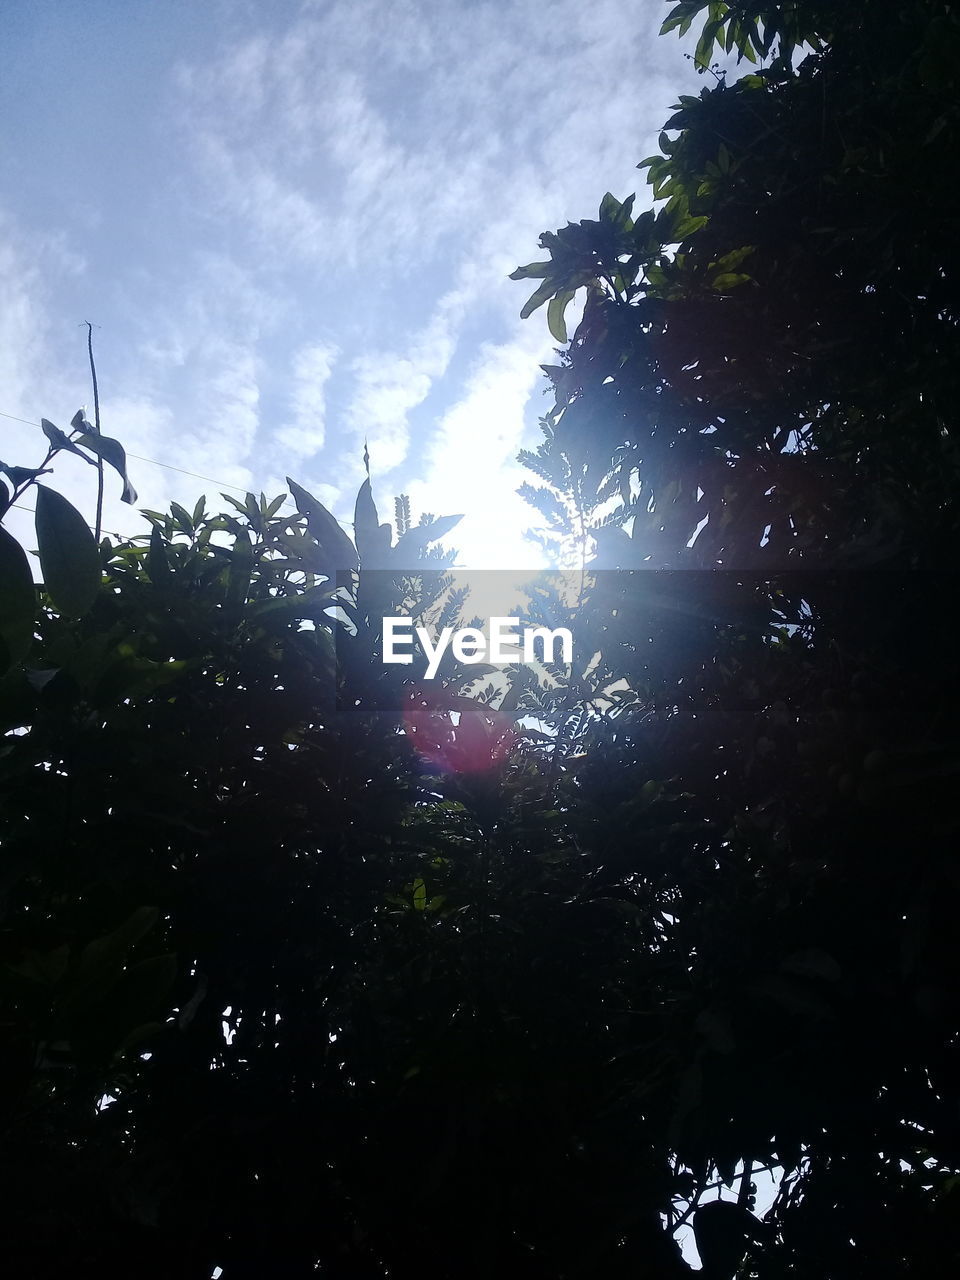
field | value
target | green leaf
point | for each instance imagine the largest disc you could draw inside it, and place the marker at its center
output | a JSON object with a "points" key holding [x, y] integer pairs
{"points": [[706, 42], [69, 558], [110, 451], [555, 321], [728, 280], [546, 291], [18, 602], [419, 894], [532, 271], [338, 550]]}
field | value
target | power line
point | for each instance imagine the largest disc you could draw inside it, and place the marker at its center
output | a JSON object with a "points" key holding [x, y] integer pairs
{"points": [[139, 457], [113, 533]]}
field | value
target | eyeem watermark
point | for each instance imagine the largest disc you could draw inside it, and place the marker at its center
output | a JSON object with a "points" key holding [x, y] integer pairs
{"points": [[503, 642]]}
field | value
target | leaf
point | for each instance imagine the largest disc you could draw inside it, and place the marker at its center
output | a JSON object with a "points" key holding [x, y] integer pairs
{"points": [[555, 321], [69, 557], [728, 280], [373, 538], [546, 291], [38, 679], [311, 603], [336, 545], [158, 566], [706, 42], [241, 569], [419, 894], [18, 602], [182, 516], [414, 541], [110, 451], [721, 1230], [60, 441], [20, 475], [532, 271], [617, 211]]}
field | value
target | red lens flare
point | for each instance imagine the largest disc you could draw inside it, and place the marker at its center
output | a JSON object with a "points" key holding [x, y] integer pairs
{"points": [[457, 735]]}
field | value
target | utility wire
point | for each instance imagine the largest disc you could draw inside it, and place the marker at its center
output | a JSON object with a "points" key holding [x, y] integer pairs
{"points": [[113, 533], [139, 457]]}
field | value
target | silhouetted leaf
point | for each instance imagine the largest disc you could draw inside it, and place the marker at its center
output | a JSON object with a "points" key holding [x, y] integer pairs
{"points": [[333, 542], [158, 566], [20, 475], [18, 602], [60, 441], [373, 538], [111, 451], [241, 568], [69, 558], [410, 545]]}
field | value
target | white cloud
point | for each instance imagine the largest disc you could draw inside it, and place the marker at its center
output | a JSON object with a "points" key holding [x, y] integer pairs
{"points": [[389, 385], [470, 463], [304, 434], [346, 187]]}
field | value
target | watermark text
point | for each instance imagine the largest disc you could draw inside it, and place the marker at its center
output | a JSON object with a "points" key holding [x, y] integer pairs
{"points": [[502, 642]]}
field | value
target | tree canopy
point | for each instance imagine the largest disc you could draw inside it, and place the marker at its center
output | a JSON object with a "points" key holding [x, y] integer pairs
{"points": [[309, 968]]}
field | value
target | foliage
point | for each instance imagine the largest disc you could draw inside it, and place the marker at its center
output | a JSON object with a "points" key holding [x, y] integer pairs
{"points": [[282, 994], [762, 383], [726, 369]]}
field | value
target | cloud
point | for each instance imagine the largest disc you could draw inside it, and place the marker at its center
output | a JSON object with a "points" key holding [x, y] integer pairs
{"points": [[364, 130], [470, 463], [347, 187], [304, 434]]}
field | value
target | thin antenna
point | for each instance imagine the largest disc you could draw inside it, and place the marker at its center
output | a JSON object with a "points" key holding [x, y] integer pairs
{"points": [[96, 423]]}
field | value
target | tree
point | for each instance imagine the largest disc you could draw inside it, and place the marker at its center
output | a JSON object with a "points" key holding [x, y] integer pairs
{"points": [[774, 353], [281, 992], [787, 369]]}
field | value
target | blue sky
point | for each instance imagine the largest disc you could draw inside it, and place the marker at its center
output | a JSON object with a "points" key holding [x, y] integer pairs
{"points": [[293, 223]]}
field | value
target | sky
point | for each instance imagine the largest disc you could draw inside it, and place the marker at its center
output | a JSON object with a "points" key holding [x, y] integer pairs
{"points": [[292, 225]]}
